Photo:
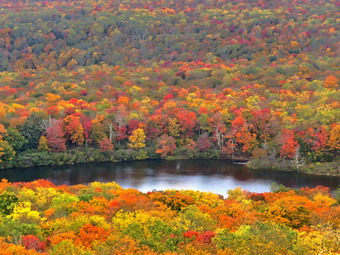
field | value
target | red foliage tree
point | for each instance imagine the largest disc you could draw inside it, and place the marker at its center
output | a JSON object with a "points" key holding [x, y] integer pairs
{"points": [[203, 142], [33, 242], [289, 144], [87, 125], [55, 136], [106, 145]]}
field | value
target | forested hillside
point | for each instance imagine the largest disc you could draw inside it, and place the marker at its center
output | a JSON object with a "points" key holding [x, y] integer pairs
{"points": [[117, 80]]}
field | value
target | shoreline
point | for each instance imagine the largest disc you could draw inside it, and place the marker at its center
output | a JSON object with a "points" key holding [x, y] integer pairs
{"points": [[319, 168], [88, 156]]}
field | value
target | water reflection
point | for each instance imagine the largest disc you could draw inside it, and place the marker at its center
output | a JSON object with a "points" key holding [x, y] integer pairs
{"points": [[206, 175]]}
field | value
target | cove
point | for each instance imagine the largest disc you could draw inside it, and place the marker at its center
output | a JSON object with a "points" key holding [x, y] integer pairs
{"points": [[216, 176]]}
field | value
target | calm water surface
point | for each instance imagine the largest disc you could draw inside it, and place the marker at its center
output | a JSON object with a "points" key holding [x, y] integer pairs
{"points": [[216, 176]]}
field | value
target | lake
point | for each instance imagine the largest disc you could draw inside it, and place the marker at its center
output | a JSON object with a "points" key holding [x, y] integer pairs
{"points": [[216, 176]]}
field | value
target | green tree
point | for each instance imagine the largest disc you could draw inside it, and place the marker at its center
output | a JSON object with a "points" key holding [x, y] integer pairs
{"points": [[6, 151], [32, 130], [15, 139]]}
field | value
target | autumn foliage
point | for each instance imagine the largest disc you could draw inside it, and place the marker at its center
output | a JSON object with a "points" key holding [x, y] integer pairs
{"points": [[118, 80], [41, 218]]}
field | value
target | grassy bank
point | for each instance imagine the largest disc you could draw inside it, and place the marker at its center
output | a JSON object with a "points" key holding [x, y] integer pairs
{"points": [[319, 168], [35, 158]]}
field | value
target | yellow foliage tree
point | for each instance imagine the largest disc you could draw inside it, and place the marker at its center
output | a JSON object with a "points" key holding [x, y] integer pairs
{"points": [[137, 139], [173, 127], [50, 97], [43, 145]]}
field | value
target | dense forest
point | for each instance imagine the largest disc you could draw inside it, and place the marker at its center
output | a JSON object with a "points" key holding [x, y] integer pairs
{"points": [[104, 219], [124, 80]]}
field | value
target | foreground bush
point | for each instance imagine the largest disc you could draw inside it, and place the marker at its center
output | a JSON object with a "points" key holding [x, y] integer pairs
{"points": [[103, 218]]}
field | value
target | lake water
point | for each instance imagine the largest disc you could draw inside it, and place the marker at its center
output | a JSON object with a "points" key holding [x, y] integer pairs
{"points": [[216, 176]]}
